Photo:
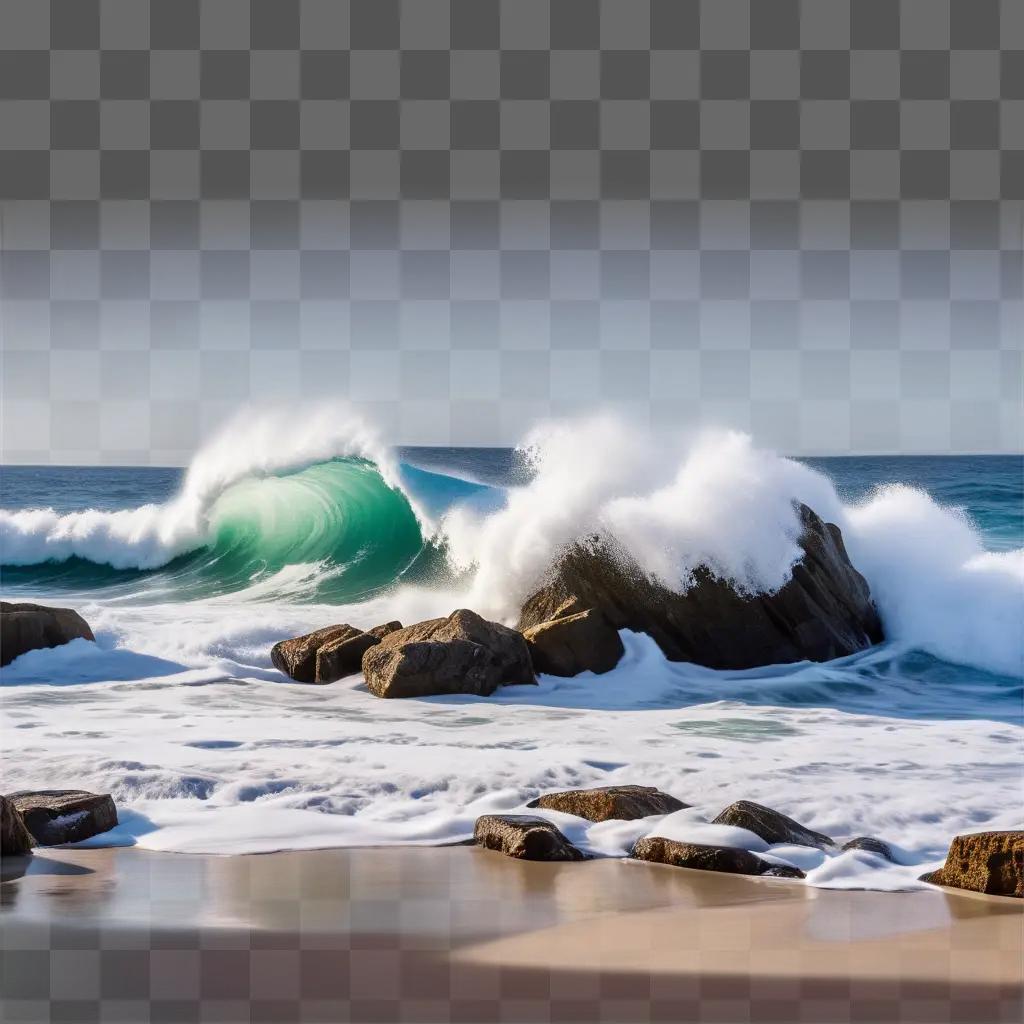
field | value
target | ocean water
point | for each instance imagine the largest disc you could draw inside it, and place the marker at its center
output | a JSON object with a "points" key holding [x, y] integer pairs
{"points": [[282, 525]]}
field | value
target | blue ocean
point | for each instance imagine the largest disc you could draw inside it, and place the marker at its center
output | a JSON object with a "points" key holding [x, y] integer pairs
{"points": [[189, 575]]}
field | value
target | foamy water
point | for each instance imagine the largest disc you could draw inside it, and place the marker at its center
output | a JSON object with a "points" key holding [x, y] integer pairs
{"points": [[177, 711]]}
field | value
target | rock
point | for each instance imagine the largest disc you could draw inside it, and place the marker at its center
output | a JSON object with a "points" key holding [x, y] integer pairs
{"points": [[463, 653], [327, 654], [988, 862], [524, 837], [709, 858], [27, 627], [624, 803], [15, 839], [824, 611], [56, 816], [575, 643], [770, 825], [870, 845], [343, 656]]}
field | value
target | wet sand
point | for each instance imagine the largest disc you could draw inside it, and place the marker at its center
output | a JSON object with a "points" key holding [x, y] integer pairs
{"points": [[462, 934]]}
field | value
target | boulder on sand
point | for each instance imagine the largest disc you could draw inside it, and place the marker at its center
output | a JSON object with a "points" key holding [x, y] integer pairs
{"points": [[463, 653], [824, 611], [770, 825], [524, 837], [327, 654], [56, 816], [566, 646], [623, 803], [988, 862], [27, 627], [15, 839], [709, 858]]}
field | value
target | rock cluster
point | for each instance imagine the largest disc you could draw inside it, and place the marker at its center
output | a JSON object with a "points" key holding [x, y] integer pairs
{"points": [[27, 627], [327, 654]]}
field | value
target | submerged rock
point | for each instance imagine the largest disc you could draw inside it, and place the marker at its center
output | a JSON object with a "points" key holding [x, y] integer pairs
{"points": [[709, 858], [988, 862], [870, 845], [524, 837], [566, 646], [463, 653], [56, 816], [15, 838], [772, 826], [824, 611], [29, 627], [624, 803], [327, 654]]}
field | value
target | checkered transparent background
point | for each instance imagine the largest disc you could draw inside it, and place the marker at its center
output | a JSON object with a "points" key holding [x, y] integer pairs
{"points": [[800, 218]]}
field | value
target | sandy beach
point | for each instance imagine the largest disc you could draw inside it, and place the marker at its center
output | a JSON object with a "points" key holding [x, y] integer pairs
{"points": [[460, 934]]}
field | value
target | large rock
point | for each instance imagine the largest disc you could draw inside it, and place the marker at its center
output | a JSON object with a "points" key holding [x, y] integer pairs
{"points": [[771, 826], [56, 816], [15, 839], [624, 803], [988, 862], [824, 611], [463, 653], [709, 858], [566, 646], [27, 627], [524, 837], [327, 654]]}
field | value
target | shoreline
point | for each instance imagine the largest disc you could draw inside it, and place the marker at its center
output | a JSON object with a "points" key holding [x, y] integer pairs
{"points": [[438, 933]]}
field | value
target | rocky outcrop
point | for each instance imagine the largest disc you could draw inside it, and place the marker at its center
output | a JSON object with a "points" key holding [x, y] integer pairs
{"points": [[463, 653], [524, 837], [27, 627], [15, 839], [327, 654], [988, 862], [566, 646], [709, 858], [870, 845], [625, 803], [770, 825], [56, 816], [343, 656], [824, 611]]}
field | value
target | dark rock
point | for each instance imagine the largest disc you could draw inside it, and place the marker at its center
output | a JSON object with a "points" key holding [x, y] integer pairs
{"points": [[56, 816], [824, 611], [343, 655], [709, 858], [624, 803], [770, 825], [524, 837], [27, 627], [870, 845], [988, 862], [297, 657], [463, 653], [327, 654], [575, 643], [15, 839]]}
